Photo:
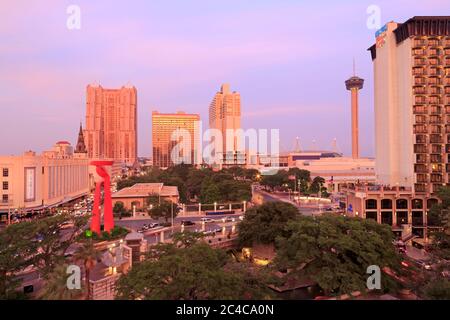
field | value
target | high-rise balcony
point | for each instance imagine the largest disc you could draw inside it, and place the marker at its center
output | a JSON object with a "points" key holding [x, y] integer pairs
{"points": [[421, 119], [420, 148], [420, 99], [434, 119], [436, 168], [420, 81], [419, 71], [436, 148], [421, 158], [434, 80], [422, 178], [421, 128], [435, 129], [447, 148], [435, 110], [435, 90], [434, 51], [447, 168], [434, 61], [447, 109], [421, 109], [419, 187], [420, 62], [420, 168], [436, 138], [419, 43], [436, 158], [419, 90]]}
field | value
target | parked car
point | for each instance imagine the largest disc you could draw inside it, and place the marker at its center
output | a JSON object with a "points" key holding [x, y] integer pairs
{"points": [[153, 225], [228, 219], [187, 223], [206, 220]]}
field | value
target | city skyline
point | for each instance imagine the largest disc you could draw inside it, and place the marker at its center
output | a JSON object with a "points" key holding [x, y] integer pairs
{"points": [[267, 50]]}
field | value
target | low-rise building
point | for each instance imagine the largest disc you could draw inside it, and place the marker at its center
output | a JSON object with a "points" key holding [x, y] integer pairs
{"points": [[135, 197], [35, 182]]}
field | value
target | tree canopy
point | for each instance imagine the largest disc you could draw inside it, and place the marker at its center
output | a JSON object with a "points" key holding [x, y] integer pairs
{"points": [[335, 251], [189, 273], [207, 186], [264, 223]]}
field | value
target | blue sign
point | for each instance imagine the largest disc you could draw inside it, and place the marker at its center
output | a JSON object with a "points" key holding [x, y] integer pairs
{"points": [[350, 208], [380, 31]]}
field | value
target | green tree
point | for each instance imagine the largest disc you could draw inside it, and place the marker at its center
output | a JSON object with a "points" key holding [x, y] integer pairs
{"points": [[438, 289], [439, 217], [165, 209], [190, 273], [17, 248], [119, 208], [55, 287], [210, 192], [53, 244], [264, 223], [335, 251], [187, 238], [316, 185], [87, 255]]}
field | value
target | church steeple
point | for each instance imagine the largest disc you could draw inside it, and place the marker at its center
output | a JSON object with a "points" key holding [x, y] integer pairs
{"points": [[81, 147]]}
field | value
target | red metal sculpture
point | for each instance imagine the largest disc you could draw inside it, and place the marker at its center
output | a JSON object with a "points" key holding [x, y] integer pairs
{"points": [[107, 202]]}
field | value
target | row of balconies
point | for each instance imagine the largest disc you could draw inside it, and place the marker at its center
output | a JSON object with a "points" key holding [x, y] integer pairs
{"points": [[438, 90], [421, 128], [430, 51], [431, 42], [425, 187], [433, 138], [431, 81], [430, 99], [435, 149], [432, 119], [425, 70], [427, 178], [433, 109], [431, 61], [430, 129]]}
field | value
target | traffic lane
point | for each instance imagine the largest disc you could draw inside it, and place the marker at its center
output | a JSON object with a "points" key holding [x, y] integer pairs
{"points": [[153, 236], [138, 224]]}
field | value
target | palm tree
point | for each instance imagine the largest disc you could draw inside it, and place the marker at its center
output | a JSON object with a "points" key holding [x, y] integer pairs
{"points": [[88, 255], [56, 286]]}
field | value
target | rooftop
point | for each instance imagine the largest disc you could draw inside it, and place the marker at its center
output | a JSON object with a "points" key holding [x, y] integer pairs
{"points": [[145, 189]]}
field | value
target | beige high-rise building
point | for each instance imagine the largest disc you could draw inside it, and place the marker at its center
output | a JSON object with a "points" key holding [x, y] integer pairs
{"points": [[111, 123], [412, 103], [168, 130], [225, 114]]}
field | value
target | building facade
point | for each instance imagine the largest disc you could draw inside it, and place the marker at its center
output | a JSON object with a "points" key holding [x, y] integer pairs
{"points": [[111, 123], [412, 125], [168, 131], [135, 197], [412, 103], [35, 182], [225, 114]]}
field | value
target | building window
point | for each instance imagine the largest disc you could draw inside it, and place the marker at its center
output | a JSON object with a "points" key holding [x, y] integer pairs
{"points": [[371, 204], [5, 185], [5, 172], [402, 204], [5, 198], [386, 204], [417, 204]]}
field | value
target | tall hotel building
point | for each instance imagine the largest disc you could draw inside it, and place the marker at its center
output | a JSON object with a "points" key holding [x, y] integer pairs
{"points": [[225, 114], [111, 123], [411, 64], [166, 131]]}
